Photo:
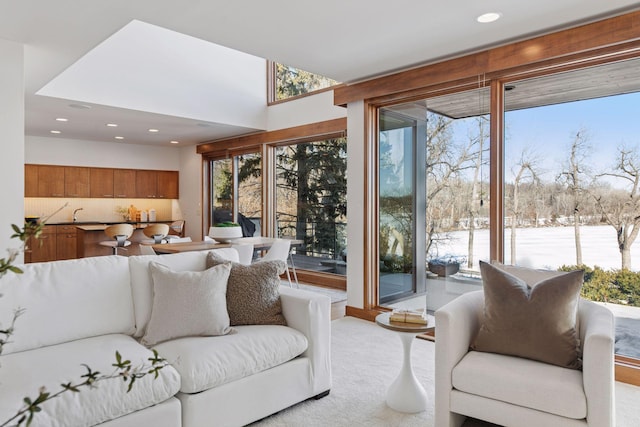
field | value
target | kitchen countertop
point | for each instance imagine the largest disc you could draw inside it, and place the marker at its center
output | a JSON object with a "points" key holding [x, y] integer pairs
{"points": [[85, 223]]}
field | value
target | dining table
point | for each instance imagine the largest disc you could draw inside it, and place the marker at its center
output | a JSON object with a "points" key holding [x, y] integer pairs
{"points": [[258, 243]]}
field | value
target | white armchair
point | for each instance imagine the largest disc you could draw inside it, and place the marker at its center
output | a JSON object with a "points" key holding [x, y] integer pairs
{"points": [[513, 391]]}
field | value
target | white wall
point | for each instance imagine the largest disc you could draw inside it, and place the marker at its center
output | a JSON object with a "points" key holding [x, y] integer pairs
{"points": [[11, 141], [191, 191], [355, 203], [302, 111], [73, 152]]}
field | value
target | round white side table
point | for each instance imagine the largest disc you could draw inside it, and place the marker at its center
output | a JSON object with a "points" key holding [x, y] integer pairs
{"points": [[405, 394]]}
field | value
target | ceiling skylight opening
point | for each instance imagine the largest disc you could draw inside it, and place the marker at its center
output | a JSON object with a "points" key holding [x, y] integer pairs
{"points": [[488, 17]]}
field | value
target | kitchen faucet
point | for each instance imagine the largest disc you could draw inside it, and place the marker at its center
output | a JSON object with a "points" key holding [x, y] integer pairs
{"points": [[75, 216]]}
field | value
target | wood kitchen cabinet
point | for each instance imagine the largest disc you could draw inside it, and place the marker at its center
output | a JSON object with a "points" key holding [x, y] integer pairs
{"points": [[85, 182], [76, 181], [146, 184], [124, 183], [51, 181], [101, 183], [43, 248], [66, 242], [157, 184], [30, 181], [168, 184]]}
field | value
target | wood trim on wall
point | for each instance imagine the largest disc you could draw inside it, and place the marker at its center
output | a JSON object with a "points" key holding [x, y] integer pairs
{"points": [[329, 280], [304, 133], [583, 41], [496, 176]]}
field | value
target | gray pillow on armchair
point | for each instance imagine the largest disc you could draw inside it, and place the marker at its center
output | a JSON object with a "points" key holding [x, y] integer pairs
{"points": [[537, 322]]}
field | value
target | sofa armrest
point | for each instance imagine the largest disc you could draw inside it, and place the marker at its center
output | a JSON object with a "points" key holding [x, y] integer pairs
{"points": [[456, 326], [598, 339], [310, 313]]}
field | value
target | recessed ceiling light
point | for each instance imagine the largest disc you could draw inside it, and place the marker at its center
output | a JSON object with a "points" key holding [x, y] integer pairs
{"points": [[55, 131], [119, 137], [174, 142], [488, 17], [61, 119], [112, 125], [80, 106], [153, 130]]}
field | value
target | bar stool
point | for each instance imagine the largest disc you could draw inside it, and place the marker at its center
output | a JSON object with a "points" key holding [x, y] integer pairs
{"points": [[157, 232], [176, 229], [119, 233]]}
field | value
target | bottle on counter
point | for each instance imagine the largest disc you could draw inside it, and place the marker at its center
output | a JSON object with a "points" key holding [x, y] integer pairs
{"points": [[143, 216], [152, 215], [132, 213]]}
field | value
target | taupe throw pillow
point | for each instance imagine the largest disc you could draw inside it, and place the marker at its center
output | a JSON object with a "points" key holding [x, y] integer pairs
{"points": [[536, 322], [187, 303], [253, 292]]}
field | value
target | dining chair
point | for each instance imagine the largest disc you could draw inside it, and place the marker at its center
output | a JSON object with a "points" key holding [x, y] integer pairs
{"points": [[119, 235], [281, 250], [245, 252]]}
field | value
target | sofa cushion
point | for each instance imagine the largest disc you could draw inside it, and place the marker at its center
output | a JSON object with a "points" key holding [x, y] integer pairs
{"points": [[56, 294], [207, 362], [536, 322], [522, 382], [142, 283], [22, 374], [187, 303], [253, 292]]}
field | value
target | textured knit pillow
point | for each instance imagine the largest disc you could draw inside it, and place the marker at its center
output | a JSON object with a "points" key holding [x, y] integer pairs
{"points": [[253, 292], [536, 322], [187, 303]]}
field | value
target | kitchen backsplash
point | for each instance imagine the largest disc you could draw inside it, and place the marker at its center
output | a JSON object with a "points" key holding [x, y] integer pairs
{"points": [[98, 210]]}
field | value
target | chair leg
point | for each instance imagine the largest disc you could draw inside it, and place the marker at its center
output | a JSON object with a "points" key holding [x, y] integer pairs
{"points": [[289, 277], [293, 267]]}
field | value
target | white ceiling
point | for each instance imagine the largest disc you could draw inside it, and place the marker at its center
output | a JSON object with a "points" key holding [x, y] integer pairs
{"points": [[348, 40]]}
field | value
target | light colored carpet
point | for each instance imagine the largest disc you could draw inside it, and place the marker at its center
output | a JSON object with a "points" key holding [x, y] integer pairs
{"points": [[365, 360]]}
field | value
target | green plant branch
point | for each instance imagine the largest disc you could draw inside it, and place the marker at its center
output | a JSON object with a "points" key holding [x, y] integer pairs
{"points": [[123, 369]]}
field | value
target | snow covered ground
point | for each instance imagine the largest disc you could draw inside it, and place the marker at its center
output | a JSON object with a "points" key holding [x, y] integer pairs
{"points": [[552, 247], [547, 247]]}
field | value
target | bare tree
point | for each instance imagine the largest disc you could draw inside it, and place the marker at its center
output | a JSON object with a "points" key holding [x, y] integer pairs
{"points": [[571, 177], [476, 196], [621, 209], [526, 171]]}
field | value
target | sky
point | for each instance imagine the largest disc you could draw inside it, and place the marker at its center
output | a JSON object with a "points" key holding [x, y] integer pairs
{"points": [[549, 131]]}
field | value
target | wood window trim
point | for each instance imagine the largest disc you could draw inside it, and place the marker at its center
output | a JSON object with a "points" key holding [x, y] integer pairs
{"points": [[601, 42], [293, 135]]}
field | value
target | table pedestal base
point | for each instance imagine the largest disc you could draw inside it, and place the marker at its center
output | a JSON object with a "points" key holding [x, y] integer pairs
{"points": [[406, 394]]}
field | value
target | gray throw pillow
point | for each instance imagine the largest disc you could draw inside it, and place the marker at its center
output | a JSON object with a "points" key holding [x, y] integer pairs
{"points": [[253, 292], [187, 303], [536, 322]]}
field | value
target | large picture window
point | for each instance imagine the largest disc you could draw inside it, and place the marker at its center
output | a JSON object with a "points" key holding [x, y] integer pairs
{"points": [[311, 202]]}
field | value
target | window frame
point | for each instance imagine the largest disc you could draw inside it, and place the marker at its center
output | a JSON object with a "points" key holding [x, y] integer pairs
{"points": [[600, 42], [272, 90]]}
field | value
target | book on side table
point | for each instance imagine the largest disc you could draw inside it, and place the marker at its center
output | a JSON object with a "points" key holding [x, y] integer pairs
{"points": [[409, 316]]}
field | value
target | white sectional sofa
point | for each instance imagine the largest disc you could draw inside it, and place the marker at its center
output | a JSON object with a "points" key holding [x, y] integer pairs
{"points": [[83, 311]]}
